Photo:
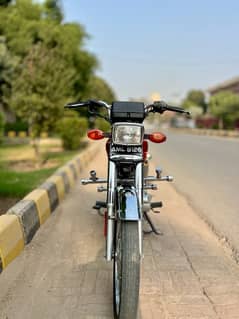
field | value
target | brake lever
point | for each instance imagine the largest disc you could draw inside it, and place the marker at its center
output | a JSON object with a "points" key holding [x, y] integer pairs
{"points": [[77, 105], [162, 106]]}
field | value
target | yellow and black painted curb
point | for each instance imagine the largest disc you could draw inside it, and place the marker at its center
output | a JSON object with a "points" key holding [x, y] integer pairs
{"points": [[19, 225]]}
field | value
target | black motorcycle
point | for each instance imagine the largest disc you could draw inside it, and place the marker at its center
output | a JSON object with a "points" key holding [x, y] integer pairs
{"points": [[128, 201]]}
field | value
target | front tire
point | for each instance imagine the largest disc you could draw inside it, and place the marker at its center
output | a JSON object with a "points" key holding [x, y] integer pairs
{"points": [[126, 274]]}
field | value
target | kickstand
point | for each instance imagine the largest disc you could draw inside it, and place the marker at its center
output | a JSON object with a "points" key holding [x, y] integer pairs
{"points": [[153, 229]]}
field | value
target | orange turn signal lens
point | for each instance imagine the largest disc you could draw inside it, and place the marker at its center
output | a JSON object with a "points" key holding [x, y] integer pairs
{"points": [[157, 137], [95, 134]]}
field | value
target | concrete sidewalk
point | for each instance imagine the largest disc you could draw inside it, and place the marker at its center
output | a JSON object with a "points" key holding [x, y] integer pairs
{"points": [[62, 273]]}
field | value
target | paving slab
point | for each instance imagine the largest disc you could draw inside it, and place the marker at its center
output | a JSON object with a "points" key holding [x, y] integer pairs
{"points": [[186, 273]]}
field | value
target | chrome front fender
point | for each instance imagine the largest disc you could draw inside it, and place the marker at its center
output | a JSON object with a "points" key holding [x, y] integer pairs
{"points": [[128, 204]]}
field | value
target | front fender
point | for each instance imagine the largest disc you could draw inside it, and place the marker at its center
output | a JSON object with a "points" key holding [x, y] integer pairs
{"points": [[128, 204]]}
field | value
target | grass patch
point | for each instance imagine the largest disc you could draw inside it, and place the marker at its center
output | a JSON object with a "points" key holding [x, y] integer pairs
{"points": [[60, 157], [10, 152], [20, 172], [18, 184]]}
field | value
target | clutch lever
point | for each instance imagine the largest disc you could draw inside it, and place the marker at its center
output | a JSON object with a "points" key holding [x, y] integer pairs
{"points": [[77, 105]]}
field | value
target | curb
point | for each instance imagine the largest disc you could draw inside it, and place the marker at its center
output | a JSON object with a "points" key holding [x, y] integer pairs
{"points": [[21, 222]]}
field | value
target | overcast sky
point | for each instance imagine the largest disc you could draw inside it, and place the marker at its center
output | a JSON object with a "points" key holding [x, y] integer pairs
{"points": [[165, 46]]}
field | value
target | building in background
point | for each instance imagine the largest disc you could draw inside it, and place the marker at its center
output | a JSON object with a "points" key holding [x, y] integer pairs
{"points": [[231, 85]]}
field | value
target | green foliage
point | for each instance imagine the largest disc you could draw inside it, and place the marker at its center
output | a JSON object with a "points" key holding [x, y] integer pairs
{"points": [[53, 10], [71, 130], [18, 184], [225, 105], [43, 63], [7, 67], [17, 126], [41, 89], [195, 98], [51, 61], [98, 89], [101, 124]]}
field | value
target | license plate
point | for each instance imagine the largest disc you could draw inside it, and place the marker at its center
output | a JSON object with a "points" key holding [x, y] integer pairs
{"points": [[124, 149]]}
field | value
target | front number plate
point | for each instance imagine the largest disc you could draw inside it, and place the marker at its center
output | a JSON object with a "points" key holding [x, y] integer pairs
{"points": [[124, 149]]}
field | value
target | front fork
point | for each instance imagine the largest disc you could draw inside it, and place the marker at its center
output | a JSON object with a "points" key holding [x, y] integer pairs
{"points": [[111, 195], [139, 178], [141, 183], [112, 183]]}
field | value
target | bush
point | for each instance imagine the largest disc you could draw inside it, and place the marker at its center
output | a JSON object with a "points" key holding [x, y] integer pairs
{"points": [[1, 126], [17, 126], [101, 124], [71, 131]]}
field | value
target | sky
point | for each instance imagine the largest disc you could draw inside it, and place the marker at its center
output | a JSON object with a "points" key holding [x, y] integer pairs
{"points": [[166, 47]]}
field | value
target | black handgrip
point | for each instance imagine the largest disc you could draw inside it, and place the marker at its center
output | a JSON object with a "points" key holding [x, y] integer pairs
{"points": [[176, 109], [161, 106], [92, 103]]}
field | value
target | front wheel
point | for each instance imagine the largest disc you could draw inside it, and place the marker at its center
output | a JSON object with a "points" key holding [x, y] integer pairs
{"points": [[126, 274]]}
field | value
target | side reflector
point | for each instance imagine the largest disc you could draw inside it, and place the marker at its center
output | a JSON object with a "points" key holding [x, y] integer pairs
{"points": [[145, 149], [95, 134], [157, 137]]}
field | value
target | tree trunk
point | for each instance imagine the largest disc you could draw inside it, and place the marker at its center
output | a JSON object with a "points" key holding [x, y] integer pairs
{"points": [[221, 124], [36, 147]]}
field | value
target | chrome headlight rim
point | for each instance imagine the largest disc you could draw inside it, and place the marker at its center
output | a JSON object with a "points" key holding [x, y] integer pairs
{"points": [[127, 124]]}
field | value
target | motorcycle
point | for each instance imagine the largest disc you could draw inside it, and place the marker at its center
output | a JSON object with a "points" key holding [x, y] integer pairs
{"points": [[128, 201]]}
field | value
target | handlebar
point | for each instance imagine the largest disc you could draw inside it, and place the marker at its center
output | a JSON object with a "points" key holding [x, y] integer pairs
{"points": [[89, 103], [161, 107], [156, 107], [76, 105]]}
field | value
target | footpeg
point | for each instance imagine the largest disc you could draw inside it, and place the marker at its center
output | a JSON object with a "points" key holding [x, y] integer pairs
{"points": [[101, 189], [156, 205], [151, 186], [98, 205], [167, 178]]}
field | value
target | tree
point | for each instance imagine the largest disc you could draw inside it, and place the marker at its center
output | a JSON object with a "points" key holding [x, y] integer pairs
{"points": [[40, 90], [53, 10], [98, 89], [1, 126], [195, 98], [25, 24], [225, 105], [71, 129], [7, 67], [52, 64]]}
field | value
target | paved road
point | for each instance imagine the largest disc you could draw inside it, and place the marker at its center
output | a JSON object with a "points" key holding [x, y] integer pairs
{"points": [[62, 274], [206, 170]]}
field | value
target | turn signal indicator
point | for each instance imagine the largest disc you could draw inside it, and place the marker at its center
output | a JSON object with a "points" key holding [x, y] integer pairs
{"points": [[157, 137], [95, 134]]}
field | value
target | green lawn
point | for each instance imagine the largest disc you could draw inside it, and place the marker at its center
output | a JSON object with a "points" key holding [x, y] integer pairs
{"points": [[18, 184], [18, 172]]}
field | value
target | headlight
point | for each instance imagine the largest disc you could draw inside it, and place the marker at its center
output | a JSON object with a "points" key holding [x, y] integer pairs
{"points": [[127, 134]]}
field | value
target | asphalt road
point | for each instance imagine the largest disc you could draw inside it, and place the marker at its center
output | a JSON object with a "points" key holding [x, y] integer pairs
{"points": [[62, 274], [206, 171]]}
